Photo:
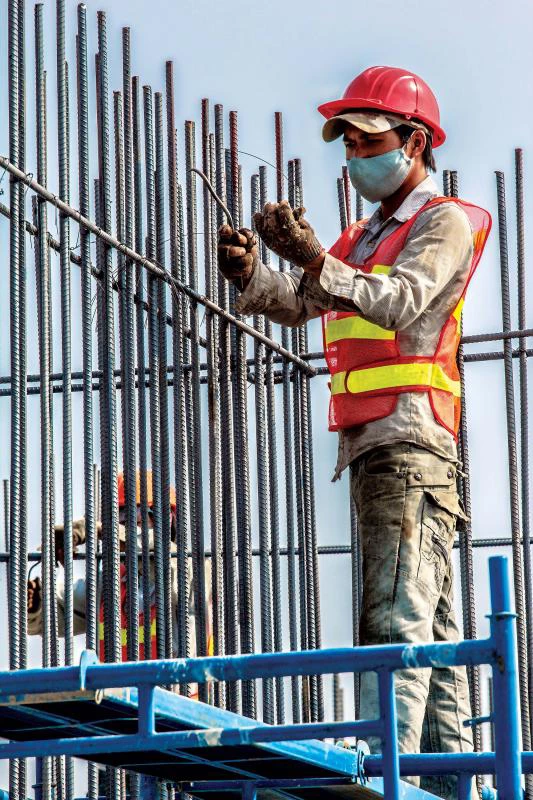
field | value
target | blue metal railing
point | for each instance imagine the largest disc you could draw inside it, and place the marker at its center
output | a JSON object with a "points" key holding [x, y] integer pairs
{"points": [[499, 651]]}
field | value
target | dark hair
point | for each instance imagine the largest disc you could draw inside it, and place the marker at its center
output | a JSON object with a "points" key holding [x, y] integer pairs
{"points": [[406, 131]]}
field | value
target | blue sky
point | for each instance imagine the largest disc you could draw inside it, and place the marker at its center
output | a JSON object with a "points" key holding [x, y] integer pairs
{"points": [[260, 58]]}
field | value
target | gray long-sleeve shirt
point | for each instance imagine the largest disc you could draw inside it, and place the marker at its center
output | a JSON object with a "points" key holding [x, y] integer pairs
{"points": [[415, 299]]}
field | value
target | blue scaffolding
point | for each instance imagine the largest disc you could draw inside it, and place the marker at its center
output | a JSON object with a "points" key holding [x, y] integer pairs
{"points": [[85, 711]]}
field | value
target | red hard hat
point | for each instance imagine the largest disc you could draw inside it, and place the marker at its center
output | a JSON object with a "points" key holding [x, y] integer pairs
{"points": [[149, 490], [390, 89]]}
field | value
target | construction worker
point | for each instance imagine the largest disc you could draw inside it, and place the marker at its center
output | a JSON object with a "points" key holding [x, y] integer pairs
{"points": [[79, 619], [390, 293]]}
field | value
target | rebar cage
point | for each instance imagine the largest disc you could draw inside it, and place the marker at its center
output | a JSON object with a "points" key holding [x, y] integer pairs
{"points": [[120, 324]]}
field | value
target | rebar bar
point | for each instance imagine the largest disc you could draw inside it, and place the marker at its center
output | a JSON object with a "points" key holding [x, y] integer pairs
{"points": [[213, 404], [141, 361], [231, 610], [163, 359], [263, 496], [240, 422], [513, 472], [272, 466], [524, 415], [110, 540], [154, 365], [194, 417], [124, 170]]}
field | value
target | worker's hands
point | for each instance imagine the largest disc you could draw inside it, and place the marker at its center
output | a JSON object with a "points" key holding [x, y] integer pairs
{"points": [[34, 595], [237, 254], [78, 538], [288, 234]]}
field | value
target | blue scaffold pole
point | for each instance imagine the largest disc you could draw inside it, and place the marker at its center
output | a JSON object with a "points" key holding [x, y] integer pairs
{"points": [[389, 740], [505, 682]]}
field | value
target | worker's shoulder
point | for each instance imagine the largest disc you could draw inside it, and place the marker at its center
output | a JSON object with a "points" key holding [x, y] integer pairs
{"points": [[447, 214]]}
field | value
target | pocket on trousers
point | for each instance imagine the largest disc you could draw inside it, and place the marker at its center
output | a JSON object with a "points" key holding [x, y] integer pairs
{"points": [[439, 513]]}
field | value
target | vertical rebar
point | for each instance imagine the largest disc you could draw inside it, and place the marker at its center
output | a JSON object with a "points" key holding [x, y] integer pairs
{"points": [[153, 351], [177, 248], [272, 466], [42, 268], [347, 194], [231, 610], [17, 325], [110, 540], [213, 402], [195, 456], [163, 384], [87, 346], [263, 494], [524, 421], [141, 366], [64, 260], [513, 473], [124, 170], [466, 556], [288, 443], [241, 450], [342, 204], [315, 636]]}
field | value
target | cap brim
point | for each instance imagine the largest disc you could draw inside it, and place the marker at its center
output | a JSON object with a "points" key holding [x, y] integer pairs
{"points": [[365, 121]]}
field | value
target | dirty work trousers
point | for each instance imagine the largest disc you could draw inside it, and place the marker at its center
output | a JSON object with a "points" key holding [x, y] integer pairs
{"points": [[407, 507]]}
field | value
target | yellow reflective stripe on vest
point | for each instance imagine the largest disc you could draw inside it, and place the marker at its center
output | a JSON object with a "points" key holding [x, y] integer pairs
{"points": [[355, 328], [458, 309], [380, 269], [394, 376]]}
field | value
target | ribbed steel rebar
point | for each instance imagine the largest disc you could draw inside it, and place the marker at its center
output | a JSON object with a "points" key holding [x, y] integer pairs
{"points": [[466, 557], [126, 278], [513, 473], [213, 404], [87, 342], [231, 609], [195, 453], [63, 149], [357, 586], [163, 359], [309, 485], [263, 497], [342, 204], [153, 353], [241, 449], [272, 466], [141, 361], [288, 443], [177, 248], [305, 569], [110, 540], [347, 194], [524, 420]]}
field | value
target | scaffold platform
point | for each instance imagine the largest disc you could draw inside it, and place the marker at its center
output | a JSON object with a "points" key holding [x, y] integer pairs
{"points": [[117, 715]]}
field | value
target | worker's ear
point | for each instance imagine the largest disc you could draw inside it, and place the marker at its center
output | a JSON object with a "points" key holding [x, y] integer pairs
{"points": [[416, 144]]}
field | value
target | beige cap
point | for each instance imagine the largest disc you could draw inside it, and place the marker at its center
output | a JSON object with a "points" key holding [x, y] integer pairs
{"points": [[365, 121]]}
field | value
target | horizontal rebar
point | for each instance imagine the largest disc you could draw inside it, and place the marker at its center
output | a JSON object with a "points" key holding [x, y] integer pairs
{"points": [[151, 266], [323, 550]]}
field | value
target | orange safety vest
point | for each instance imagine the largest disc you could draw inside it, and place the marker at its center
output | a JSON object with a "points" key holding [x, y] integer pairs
{"points": [[153, 629], [368, 370], [124, 625]]}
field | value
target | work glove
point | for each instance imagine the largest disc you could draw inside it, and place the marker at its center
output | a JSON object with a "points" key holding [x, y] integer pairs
{"points": [[78, 538], [34, 595], [287, 233], [237, 253]]}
